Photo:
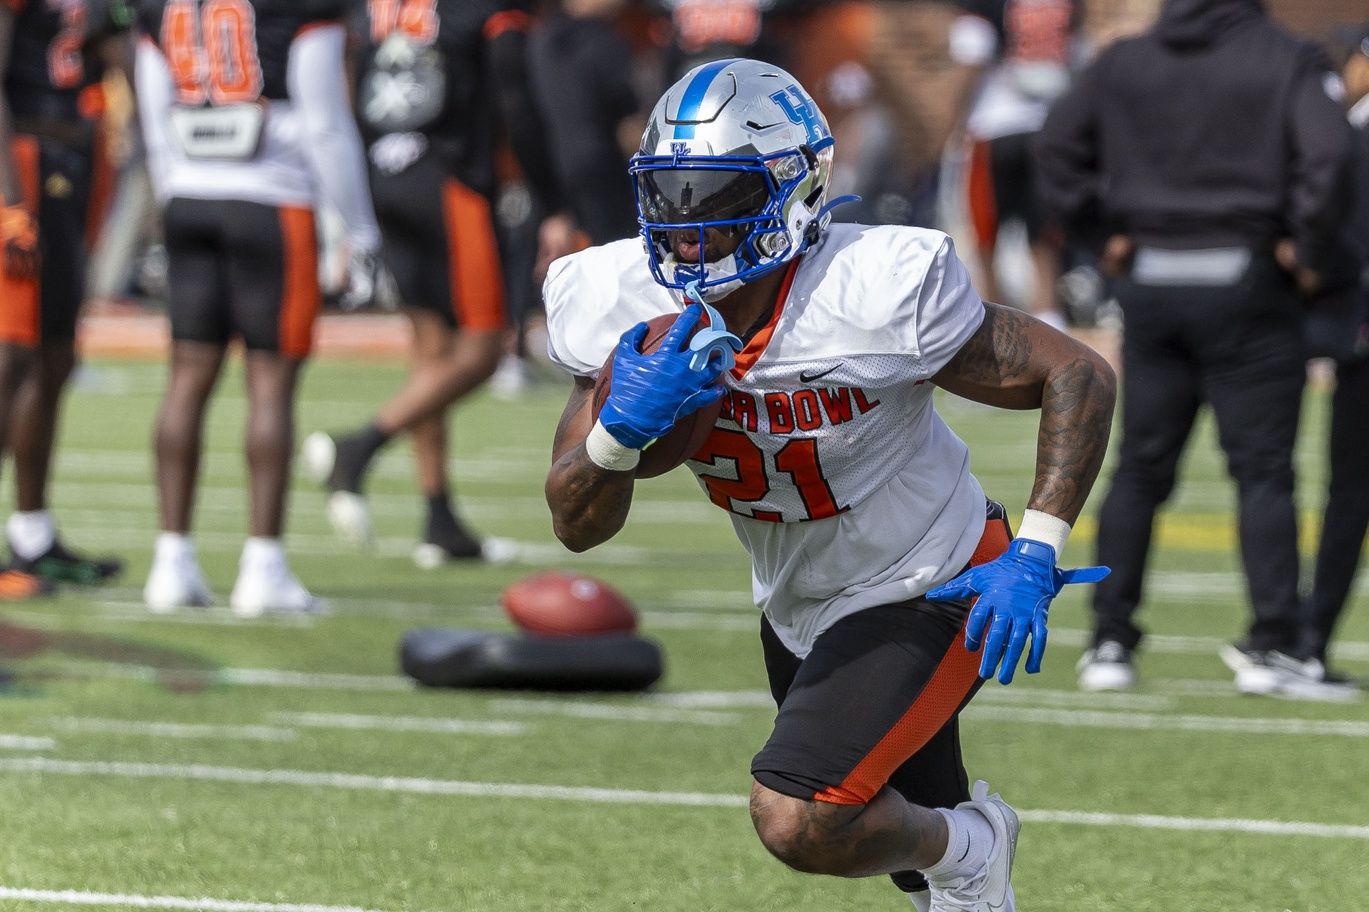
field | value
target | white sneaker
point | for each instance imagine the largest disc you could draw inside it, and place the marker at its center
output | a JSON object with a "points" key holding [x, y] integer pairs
{"points": [[268, 587], [319, 453], [350, 516], [176, 583], [1108, 666], [988, 889]]}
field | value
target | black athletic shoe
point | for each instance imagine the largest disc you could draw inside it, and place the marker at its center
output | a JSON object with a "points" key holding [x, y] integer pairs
{"points": [[62, 565]]}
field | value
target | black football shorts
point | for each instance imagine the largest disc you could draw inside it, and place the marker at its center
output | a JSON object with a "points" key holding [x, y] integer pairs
{"points": [[237, 268], [438, 240], [875, 701]]}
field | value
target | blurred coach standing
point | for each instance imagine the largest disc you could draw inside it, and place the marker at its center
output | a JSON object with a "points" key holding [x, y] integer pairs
{"points": [[1347, 503], [1216, 213]]}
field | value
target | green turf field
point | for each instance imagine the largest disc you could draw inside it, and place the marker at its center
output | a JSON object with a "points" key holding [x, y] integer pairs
{"points": [[202, 762]]}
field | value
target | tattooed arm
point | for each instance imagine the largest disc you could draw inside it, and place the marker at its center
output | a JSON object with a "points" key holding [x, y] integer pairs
{"points": [[1016, 362], [588, 504]]}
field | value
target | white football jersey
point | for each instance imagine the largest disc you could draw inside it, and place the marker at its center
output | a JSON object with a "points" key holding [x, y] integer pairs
{"points": [[842, 481]]}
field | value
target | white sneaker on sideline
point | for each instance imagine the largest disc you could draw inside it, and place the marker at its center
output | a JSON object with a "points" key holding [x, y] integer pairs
{"points": [[350, 516], [319, 453], [268, 587], [988, 889], [1107, 666], [176, 583]]}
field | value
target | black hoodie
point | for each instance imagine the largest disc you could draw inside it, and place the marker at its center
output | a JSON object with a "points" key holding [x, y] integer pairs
{"points": [[1214, 128]]}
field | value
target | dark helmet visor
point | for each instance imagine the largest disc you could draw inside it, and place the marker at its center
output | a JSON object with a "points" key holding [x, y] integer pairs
{"points": [[671, 196]]}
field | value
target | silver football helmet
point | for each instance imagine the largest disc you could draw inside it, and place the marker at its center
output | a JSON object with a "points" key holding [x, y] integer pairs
{"points": [[736, 145]]}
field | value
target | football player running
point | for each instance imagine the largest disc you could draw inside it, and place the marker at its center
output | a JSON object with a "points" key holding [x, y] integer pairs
{"points": [[880, 566], [244, 107]]}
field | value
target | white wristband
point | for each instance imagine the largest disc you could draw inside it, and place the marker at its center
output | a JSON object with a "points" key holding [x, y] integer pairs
{"points": [[1047, 529], [607, 453]]}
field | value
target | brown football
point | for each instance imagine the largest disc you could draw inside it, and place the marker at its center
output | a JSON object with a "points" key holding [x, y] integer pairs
{"points": [[559, 603], [689, 433]]}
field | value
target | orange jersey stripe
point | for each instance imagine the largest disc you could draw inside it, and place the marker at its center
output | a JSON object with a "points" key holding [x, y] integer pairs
{"points": [[301, 299], [755, 347], [945, 693], [477, 280]]}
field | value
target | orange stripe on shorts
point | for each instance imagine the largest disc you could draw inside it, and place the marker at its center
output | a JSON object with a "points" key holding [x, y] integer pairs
{"points": [[477, 281], [942, 697], [301, 299], [983, 206], [19, 298]]}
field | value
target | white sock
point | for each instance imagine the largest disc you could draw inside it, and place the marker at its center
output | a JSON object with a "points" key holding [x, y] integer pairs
{"points": [[921, 900], [260, 552], [173, 547], [31, 534], [969, 839]]}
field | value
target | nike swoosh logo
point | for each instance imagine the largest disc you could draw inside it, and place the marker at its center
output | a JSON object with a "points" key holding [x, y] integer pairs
{"points": [[758, 127], [809, 377]]}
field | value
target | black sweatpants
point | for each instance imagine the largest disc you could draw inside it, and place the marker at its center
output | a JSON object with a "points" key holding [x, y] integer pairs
{"points": [[1238, 348], [1346, 519]]}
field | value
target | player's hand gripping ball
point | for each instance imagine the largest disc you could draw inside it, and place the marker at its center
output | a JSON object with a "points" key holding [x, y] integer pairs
{"points": [[556, 603], [658, 394]]}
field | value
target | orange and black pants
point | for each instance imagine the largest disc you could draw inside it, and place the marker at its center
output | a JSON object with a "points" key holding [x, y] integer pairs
{"points": [[438, 241], [876, 702], [237, 268], [55, 181]]}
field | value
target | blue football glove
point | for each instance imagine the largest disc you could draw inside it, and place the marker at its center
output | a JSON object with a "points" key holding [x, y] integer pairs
{"points": [[1014, 598], [648, 393]]}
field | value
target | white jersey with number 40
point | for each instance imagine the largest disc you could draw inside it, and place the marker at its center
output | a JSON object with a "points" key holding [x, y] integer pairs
{"points": [[842, 481]]}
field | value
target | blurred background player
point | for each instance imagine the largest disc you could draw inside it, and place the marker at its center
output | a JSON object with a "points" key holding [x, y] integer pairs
{"points": [[437, 80], [56, 54], [582, 71], [1024, 51], [1218, 214], [245, 110], [1346, 517]]}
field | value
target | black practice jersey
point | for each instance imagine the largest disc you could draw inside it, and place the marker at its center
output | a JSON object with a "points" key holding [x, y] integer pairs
{"points": [[231, 51], [452, 71], [52, 57]]}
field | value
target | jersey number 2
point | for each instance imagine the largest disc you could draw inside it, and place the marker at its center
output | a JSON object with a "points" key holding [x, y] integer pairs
{"points": [[212, 51], [798, 459]]}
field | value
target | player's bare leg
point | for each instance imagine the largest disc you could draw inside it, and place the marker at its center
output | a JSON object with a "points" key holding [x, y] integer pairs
{"points": [[176, 580], [15, 361], [435, 383], [269, 442], [985, 278], [887, 835], [31, 530], [35, 422], [179, 431], [966, 854], [446, 366], [265, 583], [1045, 301]]}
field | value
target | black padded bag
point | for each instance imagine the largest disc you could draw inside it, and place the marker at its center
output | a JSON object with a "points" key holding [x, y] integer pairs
{"points": [[446, 657]]}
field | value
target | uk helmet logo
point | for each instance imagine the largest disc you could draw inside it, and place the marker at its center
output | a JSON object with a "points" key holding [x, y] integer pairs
{"points": [[799, 108]]}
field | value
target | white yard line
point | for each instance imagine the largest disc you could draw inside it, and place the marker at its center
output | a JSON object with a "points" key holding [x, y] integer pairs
{"points": [[1077, 718], [26, 743], [173, 729], [356, 722], [355, 782], [136, 901], [616, 712]]}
